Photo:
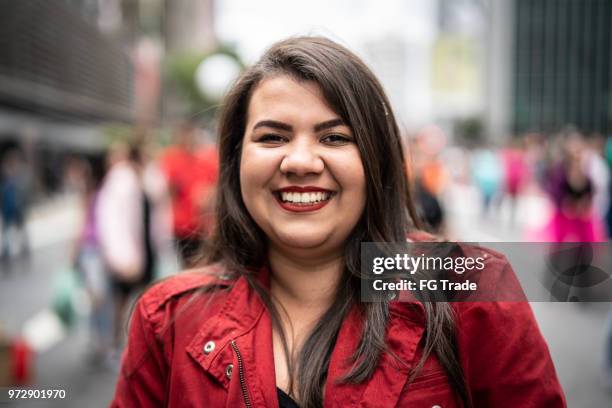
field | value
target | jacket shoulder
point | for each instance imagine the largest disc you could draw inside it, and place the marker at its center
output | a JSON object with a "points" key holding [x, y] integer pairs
{"points": [[184, 282]]}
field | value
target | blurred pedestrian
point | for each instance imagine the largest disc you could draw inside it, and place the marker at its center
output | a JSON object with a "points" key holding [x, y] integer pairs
{"points": [[608, 212], [429, 209], [156, 193], [125, 214], [208, 173], [191, 174], [487, 174], [429, 175], [86, 177], [14, 202], [599, 173], [607, 360], [515, 173], [536, 160], [572, 192]]}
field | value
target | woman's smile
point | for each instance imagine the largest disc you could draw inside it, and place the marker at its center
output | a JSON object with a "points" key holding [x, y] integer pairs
{"points": [[303, 199]]}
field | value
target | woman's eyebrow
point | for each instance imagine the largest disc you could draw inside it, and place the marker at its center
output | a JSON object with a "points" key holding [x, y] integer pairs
{"points": [[273, 124], [284, 126], [329, 124]]}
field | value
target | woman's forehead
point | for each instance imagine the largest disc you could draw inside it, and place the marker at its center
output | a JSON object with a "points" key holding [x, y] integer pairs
{"points": [[284, 97]]}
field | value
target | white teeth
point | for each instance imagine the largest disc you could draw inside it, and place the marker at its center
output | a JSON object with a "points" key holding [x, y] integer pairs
{"points": [[306, 198]]}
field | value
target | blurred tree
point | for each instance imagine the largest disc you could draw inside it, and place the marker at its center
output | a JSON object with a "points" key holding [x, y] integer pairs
{"points": [[180, 71]]}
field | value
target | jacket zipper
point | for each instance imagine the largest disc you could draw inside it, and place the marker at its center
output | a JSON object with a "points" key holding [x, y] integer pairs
{"points": [[245, 394]]}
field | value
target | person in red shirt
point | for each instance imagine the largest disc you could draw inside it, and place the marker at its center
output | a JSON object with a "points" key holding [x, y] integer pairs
{"points": [[312, 166], [191, 173], [207, 159]]}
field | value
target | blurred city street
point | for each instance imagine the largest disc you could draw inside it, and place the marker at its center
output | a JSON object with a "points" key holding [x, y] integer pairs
{"points": [[109, 153]]}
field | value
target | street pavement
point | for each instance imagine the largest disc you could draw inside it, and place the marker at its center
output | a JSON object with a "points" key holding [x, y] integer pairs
{"points": [[26, 291], [574, 332]]}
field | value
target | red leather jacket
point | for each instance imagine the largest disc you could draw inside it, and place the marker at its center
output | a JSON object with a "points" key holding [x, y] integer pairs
{"points": [[192, 349]]}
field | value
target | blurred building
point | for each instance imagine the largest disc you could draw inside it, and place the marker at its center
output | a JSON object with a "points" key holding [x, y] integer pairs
{"points": [[188, 25], [53, 61], [72, 69], [61, 76], [562, 72], [558, 71], [458, 58]]}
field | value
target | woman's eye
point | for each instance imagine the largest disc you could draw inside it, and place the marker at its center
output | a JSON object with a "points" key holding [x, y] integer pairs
{"points": [[336, 139], [270, 138]]}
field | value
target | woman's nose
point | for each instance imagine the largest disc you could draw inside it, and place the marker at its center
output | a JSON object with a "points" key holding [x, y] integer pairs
{"points": [[301, 159]]}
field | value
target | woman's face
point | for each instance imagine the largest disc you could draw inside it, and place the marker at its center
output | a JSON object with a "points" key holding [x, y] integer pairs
{"points": [[301, 174]]}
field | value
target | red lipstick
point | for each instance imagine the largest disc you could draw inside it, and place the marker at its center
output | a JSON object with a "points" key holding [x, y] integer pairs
{"points": [[302, 207], [303, 189]]}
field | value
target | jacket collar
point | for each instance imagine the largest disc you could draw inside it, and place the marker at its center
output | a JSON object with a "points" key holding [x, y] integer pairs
{"points": [[239, 314], [243, 311]]}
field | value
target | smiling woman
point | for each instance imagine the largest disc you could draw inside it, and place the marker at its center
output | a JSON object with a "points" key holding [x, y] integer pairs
{"points": [[312, 166]]}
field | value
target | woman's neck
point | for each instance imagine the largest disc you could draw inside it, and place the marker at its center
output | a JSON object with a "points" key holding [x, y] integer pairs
{"points": [[302, 288], [304, 283]]}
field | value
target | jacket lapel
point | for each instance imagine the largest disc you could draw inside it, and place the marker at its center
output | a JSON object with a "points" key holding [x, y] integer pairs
{"points": [[234, 319], [340, 394], [244, 320], [405, 330], [404, 333]]}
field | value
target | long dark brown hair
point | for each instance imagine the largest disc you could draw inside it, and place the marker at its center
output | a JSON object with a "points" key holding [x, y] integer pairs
{"points": [[354, 93]]}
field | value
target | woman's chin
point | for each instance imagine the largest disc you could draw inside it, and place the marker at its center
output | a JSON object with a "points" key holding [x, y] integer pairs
{"points": [[302, 240]]}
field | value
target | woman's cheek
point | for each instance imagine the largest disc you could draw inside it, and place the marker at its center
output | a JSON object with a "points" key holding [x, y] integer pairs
{"points": [[347, 169], [262, 162]]}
